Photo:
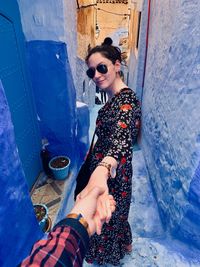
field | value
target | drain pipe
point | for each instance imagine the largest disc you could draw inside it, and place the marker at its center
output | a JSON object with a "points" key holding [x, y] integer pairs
{"points": [[147, 41]]}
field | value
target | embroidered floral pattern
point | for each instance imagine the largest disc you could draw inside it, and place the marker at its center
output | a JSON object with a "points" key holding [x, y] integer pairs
{"points": [[117, 127]]}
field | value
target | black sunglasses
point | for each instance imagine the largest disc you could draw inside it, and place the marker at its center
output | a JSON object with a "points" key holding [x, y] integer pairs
{"points": [[101, 68]]}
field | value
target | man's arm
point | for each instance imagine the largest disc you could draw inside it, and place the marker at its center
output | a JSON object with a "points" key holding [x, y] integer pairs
{"points": [[67, 243], [66, 246]]}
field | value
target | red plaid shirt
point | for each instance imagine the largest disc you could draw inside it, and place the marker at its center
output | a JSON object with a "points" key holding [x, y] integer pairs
{"points": [[66, 246]]}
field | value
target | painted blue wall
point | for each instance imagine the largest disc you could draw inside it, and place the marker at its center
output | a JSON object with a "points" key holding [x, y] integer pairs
{"points": [[170, 106], [17, 218], [83, 123], [13, 75], [54, 92], [49, 28], [55, 95]]}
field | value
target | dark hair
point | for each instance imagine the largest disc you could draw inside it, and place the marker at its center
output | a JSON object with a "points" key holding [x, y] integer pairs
{"points": [[107, 41], [110, 52]]}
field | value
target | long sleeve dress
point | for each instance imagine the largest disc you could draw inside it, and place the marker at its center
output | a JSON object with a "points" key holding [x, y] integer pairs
{"points": [[117, 127]]}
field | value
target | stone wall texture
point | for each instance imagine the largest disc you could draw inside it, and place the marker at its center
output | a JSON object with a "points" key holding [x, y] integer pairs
{"points": [[170, 107]]}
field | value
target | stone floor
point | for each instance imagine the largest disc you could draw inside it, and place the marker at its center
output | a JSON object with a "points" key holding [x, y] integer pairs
{"points": [[50, 193]]}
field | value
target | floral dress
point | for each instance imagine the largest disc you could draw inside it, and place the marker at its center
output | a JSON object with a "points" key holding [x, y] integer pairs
{"points": [[117, 127]]}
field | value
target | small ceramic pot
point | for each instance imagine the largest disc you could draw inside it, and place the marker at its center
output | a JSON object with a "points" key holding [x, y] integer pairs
{"points": [[41, 213], [60, 167]]}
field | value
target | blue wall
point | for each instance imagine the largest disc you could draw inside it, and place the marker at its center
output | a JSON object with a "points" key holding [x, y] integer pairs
{"points": [[17, 218], [170, 106], [55, 95], [83, 123], [13, 75]]}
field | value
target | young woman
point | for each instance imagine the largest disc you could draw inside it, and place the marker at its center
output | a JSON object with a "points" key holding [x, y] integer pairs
{"points": [[117, 127]]}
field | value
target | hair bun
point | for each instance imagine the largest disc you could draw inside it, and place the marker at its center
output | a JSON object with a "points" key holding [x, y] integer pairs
{"points": [[107, 41]]}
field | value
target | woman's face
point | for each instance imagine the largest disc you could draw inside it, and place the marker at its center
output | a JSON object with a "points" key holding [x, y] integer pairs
{"points": [[104, 80]]}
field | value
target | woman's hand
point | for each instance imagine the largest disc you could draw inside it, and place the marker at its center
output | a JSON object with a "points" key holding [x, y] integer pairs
{"points": [[98, 178], [87, 206], [104, 210]]}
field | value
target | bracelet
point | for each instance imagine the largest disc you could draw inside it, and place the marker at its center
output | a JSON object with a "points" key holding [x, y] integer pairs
{"points": [[109, 167], [105, 164], [80, 218]]}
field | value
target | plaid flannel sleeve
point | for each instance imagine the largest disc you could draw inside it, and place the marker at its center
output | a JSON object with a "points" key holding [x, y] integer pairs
{"points": [[66, 245]]}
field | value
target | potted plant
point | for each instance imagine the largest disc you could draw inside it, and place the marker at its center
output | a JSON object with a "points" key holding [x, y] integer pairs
{"points": [[41, 213], [60, 167]]}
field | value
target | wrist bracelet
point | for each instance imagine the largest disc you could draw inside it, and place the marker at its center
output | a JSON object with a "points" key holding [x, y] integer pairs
{"points": [[80, 218], [105, 164], [108, 166]]}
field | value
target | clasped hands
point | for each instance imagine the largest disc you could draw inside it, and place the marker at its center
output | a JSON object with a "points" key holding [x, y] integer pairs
{"points": [[99, 204]]}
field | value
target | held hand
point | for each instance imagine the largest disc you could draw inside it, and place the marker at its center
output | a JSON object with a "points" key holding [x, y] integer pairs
{"points": [[98, 178], [87, 207], [105, 207]]}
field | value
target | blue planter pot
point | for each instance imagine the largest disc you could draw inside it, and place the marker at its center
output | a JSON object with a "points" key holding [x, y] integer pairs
{"points": [[60, 167]]}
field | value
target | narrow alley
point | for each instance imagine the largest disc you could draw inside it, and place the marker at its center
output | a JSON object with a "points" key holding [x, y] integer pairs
{"points": [[49, 101]]}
